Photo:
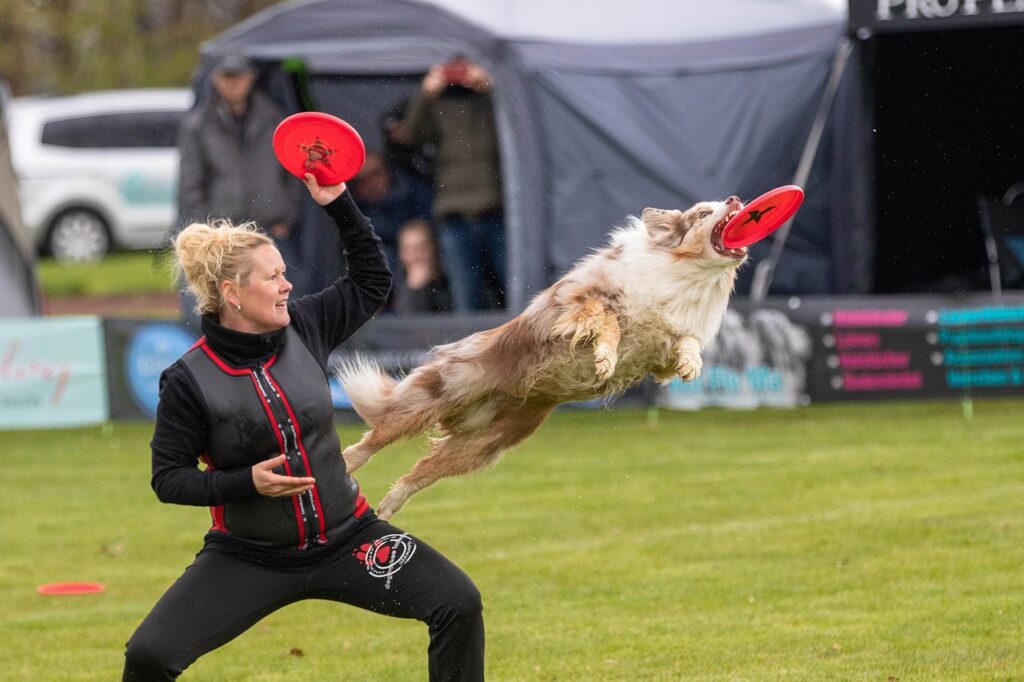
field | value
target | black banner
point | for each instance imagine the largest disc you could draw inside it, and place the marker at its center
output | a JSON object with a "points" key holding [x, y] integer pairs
{"points": [[915, 347], [882, 16]]}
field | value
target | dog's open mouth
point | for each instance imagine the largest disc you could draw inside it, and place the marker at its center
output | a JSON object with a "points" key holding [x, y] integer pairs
{"points": [[716, 237]]}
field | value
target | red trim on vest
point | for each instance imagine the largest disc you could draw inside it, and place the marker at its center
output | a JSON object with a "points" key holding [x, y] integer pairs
{"points": [[302, 450], [361, 505], [224, 367], [216, 512], [287, 467]]}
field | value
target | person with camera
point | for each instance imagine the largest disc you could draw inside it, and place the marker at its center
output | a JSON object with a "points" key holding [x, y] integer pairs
{"points": [[454, 111]]}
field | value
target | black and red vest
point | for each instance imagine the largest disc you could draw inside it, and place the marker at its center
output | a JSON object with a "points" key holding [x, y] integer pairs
{"points": [[279, 406]]}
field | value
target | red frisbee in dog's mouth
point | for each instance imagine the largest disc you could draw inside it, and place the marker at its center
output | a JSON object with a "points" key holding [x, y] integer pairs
{"points": [[321, 144], [762, 216], [71, 588]]}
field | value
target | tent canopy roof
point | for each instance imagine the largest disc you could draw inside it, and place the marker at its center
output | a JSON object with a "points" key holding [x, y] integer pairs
{"points": [[330, 33], [602, 108], [610, 22]]}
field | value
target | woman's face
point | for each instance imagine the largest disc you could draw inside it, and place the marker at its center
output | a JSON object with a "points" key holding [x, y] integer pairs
{"points": [[264, 296]]}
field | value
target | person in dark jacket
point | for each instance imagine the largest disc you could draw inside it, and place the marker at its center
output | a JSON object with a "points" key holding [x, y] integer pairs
{"points": [[227, 167], [454, 111], [251, 400], [389, 197]]}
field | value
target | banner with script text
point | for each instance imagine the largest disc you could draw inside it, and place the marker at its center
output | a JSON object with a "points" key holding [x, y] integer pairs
{"points": [[52, 373]]}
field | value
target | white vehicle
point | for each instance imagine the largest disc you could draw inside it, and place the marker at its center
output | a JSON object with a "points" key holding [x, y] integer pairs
{"points": [[97, 171]]}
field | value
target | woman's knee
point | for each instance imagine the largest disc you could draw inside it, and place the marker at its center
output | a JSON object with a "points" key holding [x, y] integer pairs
{"points": [[463, 602], [147, 659]]}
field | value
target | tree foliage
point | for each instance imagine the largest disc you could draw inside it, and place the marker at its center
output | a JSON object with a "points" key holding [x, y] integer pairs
{"points": [[68, 46]]}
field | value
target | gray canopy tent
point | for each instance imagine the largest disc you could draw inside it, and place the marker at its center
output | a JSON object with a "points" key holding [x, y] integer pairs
{"points": [[604, 108], [17, 257]]}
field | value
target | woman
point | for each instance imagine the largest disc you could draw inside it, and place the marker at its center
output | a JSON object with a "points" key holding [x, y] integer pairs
{"points": [[251, 400]]}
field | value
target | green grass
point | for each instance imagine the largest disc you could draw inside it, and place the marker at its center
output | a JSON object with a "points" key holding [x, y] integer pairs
{"points": [[839, 542], [118, 273]]}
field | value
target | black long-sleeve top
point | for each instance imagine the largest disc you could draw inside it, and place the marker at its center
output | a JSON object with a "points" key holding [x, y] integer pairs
{"points": [[323, 320]]}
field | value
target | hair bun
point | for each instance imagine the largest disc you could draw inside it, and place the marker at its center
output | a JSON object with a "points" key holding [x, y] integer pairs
{"points": [[205, 254]]}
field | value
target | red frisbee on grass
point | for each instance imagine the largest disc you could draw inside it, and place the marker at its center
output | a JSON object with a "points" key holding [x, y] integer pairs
{"points": [[321, 144], [71, 588], [762, 216]]}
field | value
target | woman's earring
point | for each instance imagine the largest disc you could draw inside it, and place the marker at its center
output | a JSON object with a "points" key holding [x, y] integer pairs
{"points": [[238, 307]]}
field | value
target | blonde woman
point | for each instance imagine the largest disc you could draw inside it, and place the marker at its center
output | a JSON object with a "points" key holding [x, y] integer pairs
{"points": [[251, 401]]}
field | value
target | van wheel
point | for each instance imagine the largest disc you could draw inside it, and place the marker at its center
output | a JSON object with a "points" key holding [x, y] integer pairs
{"points": [[78, 235]]}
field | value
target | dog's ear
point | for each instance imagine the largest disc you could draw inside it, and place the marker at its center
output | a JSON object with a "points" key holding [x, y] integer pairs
{"points": [[665, 228]]}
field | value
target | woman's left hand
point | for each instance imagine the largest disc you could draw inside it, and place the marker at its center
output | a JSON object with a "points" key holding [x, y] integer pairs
{"points": [[323, 194]]}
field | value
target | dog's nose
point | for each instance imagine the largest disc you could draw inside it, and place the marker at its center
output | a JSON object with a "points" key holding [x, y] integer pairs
{"points": [[733, 200]]}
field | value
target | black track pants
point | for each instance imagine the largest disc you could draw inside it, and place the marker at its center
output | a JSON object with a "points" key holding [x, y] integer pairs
{"points": [[384, 571]]}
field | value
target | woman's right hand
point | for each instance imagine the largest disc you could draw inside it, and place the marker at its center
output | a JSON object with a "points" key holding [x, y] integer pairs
{"points": [[323, 194], [270, 484], [434, 82]]}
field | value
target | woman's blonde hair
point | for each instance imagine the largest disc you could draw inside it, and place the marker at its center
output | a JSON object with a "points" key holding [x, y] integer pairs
{"points": [[207, 254]]}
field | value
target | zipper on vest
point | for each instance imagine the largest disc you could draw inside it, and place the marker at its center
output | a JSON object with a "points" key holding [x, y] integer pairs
{"points": [[308, 511]]}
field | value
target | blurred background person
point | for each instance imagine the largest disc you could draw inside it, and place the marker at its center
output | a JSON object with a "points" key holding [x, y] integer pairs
{"points": [[228, 168], [389, 197], [454, 111], [421, 286], [401, 151]]}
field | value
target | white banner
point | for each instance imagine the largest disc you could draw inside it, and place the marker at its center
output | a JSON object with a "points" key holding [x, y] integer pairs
{"points": [[52, 372], [756, 361]]}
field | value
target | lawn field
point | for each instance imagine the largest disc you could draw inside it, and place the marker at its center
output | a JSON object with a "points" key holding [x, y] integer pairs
{"points": [[878, 542], [118, 273]]}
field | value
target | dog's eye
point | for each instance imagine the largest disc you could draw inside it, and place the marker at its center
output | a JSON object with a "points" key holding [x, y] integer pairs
{"points": [[703, 214]]}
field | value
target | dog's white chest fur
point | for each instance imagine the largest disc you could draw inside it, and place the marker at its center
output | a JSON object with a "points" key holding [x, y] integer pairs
{"points": [[682, 298]]}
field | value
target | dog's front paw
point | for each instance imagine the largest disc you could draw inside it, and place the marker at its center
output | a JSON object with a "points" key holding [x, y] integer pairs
{"points": [[663, 375], [605, 359], [689, 366]]}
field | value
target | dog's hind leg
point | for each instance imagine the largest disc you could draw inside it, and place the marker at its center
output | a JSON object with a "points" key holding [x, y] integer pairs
{"points": [[357, 454], [463, 452], [413, 407]]}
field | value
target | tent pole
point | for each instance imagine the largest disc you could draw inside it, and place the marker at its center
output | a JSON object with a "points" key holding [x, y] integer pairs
{"points": [[764, 272]]}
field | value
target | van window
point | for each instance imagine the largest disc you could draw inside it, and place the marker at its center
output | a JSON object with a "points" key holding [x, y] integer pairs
{"points": [[135, 129]]}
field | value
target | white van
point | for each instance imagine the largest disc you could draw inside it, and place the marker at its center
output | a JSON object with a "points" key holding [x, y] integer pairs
{"points": [[97, 171]]}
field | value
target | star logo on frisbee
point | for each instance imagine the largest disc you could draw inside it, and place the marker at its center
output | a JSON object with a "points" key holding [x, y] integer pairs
{"points": [[756, 215], [762, 216], [321, 144], [316, 153]]}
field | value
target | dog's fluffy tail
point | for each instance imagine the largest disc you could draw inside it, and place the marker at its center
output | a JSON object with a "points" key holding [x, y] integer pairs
{"points": [[367, 386]]}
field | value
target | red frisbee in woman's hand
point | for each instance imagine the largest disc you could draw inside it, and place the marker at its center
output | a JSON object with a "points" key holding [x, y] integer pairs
{"points": [[71, 588], [762, 216], [321, 144]]}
